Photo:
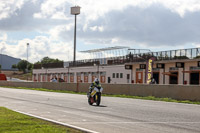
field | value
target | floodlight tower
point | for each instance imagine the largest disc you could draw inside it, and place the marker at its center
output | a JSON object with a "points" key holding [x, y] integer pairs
{"points": [[75, 11]]}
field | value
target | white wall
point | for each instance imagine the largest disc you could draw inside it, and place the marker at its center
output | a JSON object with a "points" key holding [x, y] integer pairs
{"points": [[117, 69], [108, 69]]}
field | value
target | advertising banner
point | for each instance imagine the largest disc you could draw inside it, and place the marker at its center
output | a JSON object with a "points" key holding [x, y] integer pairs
{"points": [[149, 70]]}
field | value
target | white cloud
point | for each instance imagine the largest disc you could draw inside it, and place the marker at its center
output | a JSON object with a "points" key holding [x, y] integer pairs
{"points": [[182, 6], [101, 28], [3, 36], [54, 9], [8, 7], [94, 28], [26, 17], [155, 25], [95, 8], [59, 15], [61, 32], [39, 47], [114, 40]]}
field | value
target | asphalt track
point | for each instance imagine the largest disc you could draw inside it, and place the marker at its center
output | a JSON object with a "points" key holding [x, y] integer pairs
{"points": [[115, 115]]}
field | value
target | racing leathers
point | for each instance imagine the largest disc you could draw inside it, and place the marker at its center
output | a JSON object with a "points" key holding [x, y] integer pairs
{"points": [[93, 85]]}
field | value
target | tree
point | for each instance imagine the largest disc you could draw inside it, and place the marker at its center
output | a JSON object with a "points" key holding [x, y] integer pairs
{"points": [[30, 66], [14, 66], [47, 60], [22, 66]]}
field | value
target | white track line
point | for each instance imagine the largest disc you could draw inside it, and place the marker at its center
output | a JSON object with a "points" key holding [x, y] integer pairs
{"points": [[57, 122], [136, 123]]}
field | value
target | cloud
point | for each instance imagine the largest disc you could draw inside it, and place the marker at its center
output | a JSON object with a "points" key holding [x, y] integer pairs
{"points": [[155, 25], [181, 6], [134, 23], [3, 36], [23, 18], [8, 7], [54, 9], [40, 46]]}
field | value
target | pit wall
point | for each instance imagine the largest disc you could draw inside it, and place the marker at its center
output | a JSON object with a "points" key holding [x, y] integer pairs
{"points": [[179, 92]]}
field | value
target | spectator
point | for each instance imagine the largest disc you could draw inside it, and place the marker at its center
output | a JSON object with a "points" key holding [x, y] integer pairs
{"points": [[153, 81], [61, 80], [54, 79]]}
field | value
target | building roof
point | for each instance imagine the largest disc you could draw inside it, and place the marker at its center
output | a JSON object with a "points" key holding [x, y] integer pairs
{"points": [[105, 49]]}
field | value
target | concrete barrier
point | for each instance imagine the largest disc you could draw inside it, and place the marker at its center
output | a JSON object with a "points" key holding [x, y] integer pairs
{"points": [[179, 92]]}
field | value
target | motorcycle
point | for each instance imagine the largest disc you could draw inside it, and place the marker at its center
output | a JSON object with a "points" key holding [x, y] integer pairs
{"points": [[95, 96]]}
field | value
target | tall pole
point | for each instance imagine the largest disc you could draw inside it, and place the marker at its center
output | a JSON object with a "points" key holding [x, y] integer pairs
{"points": [[27, 60], [27, 52], [131, 75], [68, 77], [75, 39], [1, 60], [98, 70], [75, 11]]}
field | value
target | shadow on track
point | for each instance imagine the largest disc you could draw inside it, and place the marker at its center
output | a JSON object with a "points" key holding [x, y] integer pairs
{"points": [[99, 106]]}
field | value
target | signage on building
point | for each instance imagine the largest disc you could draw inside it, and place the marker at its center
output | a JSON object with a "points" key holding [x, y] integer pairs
{"points": [[179, 64], [149, 70], [142, 66], [160, 65], [128, 66]]}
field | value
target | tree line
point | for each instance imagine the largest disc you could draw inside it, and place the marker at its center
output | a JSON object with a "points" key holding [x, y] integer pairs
{"points": [[26, 66]]}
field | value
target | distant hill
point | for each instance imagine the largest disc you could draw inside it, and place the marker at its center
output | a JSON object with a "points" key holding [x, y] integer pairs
{"points": [[7, 61]]}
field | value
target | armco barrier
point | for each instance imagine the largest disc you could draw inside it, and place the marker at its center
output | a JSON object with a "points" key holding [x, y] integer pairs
{"points": [[179, 92]]}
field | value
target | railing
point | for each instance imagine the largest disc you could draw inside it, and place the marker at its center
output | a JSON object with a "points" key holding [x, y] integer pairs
{"points": [[193, 53]]}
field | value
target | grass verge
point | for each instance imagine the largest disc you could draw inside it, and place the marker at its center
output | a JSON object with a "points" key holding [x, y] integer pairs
{"points": [[121, 96], [13, 122], [156, 99]]}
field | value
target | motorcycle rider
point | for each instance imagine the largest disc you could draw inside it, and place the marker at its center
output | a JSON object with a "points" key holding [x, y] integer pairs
{"points": [[94, 84]]}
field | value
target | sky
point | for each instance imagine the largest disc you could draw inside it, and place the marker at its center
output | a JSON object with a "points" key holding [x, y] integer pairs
{"points": [[48, 26]]}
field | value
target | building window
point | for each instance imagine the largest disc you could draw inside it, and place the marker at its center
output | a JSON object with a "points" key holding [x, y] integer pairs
{"points": [[117, 76], [121, 75], [113, 75]]}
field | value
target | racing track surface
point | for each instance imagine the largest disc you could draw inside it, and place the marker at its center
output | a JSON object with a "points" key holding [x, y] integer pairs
{"points": [[115, 115]]}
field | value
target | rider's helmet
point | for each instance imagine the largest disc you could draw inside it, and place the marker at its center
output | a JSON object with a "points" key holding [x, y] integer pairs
{"points": [[96, 80]]}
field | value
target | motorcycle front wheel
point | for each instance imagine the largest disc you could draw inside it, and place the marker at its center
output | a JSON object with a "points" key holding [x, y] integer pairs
{"points": [[98, 100]]}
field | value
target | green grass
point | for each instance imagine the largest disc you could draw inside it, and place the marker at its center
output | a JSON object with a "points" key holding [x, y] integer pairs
{"points": [[155, 99], [13, 122], [121, 96]]}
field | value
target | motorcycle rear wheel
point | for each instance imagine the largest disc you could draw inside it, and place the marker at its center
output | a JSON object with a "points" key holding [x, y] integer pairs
{"points": [[89, 101]]}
